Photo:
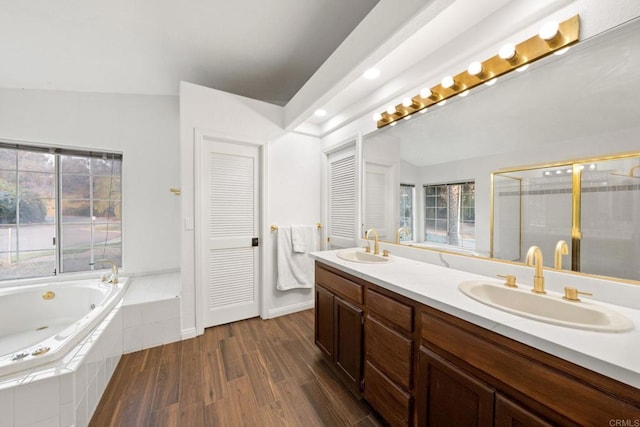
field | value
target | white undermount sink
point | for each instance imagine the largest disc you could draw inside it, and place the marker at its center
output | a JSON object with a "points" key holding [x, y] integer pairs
{"points": [[546, 308], [357, 255]]}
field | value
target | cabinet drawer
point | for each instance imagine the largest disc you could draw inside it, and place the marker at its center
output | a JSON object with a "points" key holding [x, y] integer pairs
{"points": [[340, 285], [389, 309], [390, 352], [394, 404]]}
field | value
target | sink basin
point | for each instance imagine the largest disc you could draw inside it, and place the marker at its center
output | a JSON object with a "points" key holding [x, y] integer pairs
{"points": [[361, 256], [546, 308]]}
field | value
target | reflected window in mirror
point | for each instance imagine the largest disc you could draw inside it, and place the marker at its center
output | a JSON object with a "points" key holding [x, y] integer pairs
{"points": [[450, 215], [407, 202]]}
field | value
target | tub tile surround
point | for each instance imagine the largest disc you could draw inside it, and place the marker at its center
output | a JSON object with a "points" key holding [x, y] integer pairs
{"points": [[611, 354], [67, 391], [151, 312]]}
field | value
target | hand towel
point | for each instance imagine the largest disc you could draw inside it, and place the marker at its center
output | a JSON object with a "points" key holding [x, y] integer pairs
{"points": [[295, 270], [298, 238]]}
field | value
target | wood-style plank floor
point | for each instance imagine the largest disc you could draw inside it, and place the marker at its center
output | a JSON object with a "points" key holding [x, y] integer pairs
{"points": [[249, 373]]}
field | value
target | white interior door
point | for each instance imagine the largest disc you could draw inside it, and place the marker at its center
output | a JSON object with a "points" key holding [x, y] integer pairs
{"points": [[342, 198], [229, 260], [378, 200]]}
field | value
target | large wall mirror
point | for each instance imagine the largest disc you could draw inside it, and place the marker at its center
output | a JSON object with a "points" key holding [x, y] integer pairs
{"points": [[427, 180]]}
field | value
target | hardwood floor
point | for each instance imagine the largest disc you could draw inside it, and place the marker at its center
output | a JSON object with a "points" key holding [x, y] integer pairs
{"points": [[249, 373]]}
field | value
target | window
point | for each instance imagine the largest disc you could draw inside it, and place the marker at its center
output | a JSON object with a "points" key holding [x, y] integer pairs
{"points": [[450, 214], [407, 195], [60, 210]]}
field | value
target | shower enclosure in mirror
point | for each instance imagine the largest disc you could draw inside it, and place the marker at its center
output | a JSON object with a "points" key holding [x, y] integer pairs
{"points": [[593, 205]]}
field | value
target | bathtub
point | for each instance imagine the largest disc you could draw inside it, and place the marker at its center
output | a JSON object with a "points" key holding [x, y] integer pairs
{"points": [[40, 323]]}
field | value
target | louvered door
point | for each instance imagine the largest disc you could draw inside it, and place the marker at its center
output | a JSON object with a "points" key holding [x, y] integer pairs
{"points": [[342, 198], [378, 199], [230, 217]]}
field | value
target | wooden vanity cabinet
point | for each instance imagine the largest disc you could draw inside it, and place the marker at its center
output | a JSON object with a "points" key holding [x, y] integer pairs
{"points": [[416, 365], [464, 368], [339, 322], [389, 355]]}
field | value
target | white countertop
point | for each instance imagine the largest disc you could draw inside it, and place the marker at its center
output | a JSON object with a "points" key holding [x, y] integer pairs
{"points": [[616, 355]]}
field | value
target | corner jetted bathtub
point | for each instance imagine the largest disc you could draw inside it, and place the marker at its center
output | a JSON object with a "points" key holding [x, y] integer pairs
{"points": [[40, 323]]}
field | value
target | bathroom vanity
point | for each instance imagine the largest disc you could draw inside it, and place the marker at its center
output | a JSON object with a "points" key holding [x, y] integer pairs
{"points": [[403, 336]]}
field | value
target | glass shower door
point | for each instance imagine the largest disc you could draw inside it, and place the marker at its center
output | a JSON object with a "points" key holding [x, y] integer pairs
{"points": [[610, 218]]}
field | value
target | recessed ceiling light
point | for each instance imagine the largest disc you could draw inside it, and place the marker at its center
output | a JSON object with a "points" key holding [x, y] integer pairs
{"points": [[371, 73], [320, 112]]}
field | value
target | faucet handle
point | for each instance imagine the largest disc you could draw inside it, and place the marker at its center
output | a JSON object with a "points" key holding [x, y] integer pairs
{"points": [[509, 280], [571, 294]]}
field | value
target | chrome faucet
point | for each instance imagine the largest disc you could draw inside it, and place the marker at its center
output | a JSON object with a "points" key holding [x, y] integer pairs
{"points": [[400, 231], [114, 269], [534, 258], [376, 248], [561, 249]]}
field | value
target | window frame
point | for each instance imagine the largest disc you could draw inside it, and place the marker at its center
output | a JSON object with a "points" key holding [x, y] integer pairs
{"points": [[114, 209], [463, 210]]}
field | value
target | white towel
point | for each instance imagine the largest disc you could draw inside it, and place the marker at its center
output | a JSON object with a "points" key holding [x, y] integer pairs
{"points": [[295, 270]]}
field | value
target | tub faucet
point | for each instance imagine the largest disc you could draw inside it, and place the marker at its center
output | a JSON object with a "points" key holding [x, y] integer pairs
{"points": [[114, 269], [376, 248], [534, 258]]}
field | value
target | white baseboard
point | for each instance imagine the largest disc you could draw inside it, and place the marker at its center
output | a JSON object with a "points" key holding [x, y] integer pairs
{"points": [[293, 308], [189, 333]]}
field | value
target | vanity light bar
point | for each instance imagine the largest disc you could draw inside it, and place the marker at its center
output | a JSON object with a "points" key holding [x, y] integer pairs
{"points": [[518, 56]]}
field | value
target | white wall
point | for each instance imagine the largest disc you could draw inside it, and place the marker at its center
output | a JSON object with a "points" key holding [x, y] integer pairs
{"points": [[293, 188], [144, 128], [292, 164]]}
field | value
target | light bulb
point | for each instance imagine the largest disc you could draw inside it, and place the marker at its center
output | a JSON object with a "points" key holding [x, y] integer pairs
{"points": [[425, 93], [507, 51], [465, 93], [474, 68], [424, 110], [523, 68], [377, 117], [407, 102], [441, 103], [407, 117], [391, 109], [447, 82], [371, 73], [549, 30], [562, 51], [320, 112], [393, 123], [491, 82]]}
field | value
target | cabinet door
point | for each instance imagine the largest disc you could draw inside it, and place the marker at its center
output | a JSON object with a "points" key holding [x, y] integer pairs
{"points": [[450, 397], [510, 414], [348, 340], [324, 332]]}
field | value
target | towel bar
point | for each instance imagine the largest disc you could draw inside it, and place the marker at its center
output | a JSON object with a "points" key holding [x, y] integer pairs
{"points": [[275, 227]]}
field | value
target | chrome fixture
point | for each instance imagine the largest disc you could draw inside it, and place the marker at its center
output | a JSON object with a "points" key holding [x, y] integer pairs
{"points": [[376, 248], [534, 258], [114, 270], [561, 249], [400, 231]]}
